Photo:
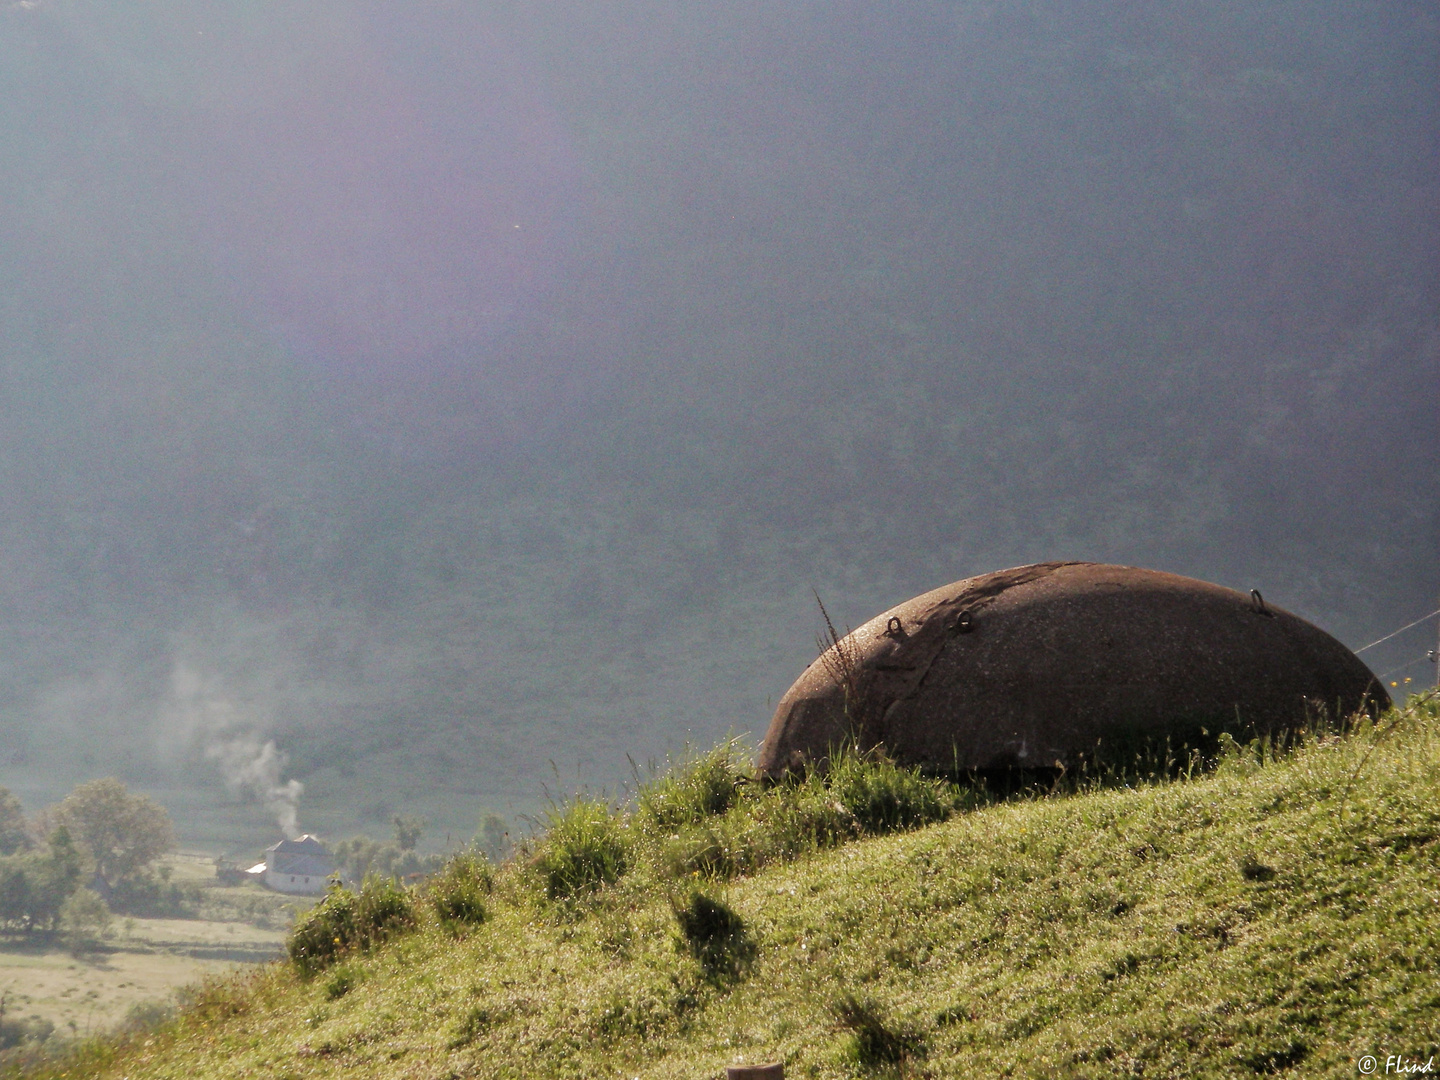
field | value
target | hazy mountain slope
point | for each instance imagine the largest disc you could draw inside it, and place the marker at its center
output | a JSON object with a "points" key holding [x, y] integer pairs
{"points": [[444, 393]]}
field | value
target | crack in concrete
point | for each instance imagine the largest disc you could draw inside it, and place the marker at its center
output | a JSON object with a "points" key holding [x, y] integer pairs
{"points": [[933, 632]]}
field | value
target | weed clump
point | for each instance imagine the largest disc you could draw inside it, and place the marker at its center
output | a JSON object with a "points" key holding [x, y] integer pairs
{"points": [[883, 797], [341, 981], [471, 1026], [346, 922], [457, 894], [855, 795], [708, 817], [703, 788], [147, 1016], [586, 847]]}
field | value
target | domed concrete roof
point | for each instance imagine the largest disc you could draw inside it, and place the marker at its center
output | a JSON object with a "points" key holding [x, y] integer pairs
{"points": [[1046, 664]]}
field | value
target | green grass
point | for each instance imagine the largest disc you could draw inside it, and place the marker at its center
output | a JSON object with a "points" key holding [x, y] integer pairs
{"points": [[1278, 915]]}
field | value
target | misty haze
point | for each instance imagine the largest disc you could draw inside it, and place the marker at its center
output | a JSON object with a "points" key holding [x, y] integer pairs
{"points": [[413, 408]]}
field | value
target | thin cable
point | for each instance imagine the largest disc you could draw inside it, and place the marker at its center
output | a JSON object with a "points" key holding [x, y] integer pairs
{"points": [[1402, 630], [1402, 667]]}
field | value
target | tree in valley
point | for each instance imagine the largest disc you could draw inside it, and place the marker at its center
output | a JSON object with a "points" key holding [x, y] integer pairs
{"points": [[83, 919], [407, 831], [34, 885], [13, 835], [122, 832], [361, 857]]}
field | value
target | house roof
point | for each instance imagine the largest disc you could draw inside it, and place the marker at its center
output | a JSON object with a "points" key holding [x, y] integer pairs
{"points": [[306, 856], [305, 845]]}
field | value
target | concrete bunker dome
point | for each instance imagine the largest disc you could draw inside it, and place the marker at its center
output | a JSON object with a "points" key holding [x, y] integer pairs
{"points": [[1049, 664]]}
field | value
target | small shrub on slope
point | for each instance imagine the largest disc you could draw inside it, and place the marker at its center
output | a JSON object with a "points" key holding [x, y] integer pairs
{"points": [[457, 894], [859, 794], [703, 788], [341, 981], [346, 922], [585, 847], [884, 797]]}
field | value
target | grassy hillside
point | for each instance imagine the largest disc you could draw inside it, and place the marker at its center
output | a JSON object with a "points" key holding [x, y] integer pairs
{"points": [[1280, 914]]}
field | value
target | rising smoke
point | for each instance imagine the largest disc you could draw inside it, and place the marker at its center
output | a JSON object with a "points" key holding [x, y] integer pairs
{"points": [[254, 769], [251, 765]]}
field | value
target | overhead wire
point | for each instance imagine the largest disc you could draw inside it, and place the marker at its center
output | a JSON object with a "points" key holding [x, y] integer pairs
{"points": [[1403, 666], [1407, 626]]}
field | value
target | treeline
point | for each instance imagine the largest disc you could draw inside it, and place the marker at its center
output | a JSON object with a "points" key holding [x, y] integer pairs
{"points": [[361, 857], [69, 867]]}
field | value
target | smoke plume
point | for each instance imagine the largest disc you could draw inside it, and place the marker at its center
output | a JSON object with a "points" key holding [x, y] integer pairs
{"points": [[252, 768], [206, 718]]}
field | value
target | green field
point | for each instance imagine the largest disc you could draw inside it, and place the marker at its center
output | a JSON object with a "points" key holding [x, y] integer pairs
{"points": [[1279, 915], [143, 962], [93, 993]]}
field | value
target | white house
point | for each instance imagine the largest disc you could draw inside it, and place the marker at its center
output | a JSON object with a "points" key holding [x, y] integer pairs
{"points": [[302, 867]]}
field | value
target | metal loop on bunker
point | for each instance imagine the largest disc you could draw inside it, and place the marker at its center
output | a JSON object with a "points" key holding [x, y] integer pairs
{"points": [[1257, 604], [963, 623], [894, 628]]}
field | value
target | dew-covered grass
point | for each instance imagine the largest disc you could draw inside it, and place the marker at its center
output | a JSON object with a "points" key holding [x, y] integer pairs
{"points": [[1277, 914]]}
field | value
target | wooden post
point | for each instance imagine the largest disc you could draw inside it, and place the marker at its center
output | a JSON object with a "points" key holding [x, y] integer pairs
{"points": [[1435, 656], [773, 1071]]}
